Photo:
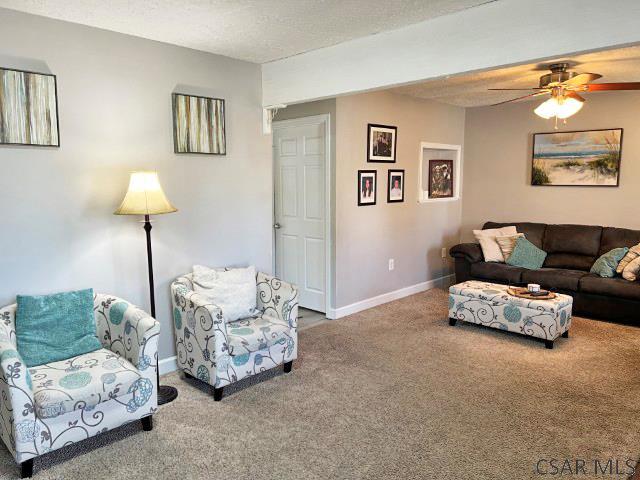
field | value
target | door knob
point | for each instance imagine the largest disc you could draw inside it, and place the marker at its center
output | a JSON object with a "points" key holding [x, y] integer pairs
{"points": [[276, 226]]}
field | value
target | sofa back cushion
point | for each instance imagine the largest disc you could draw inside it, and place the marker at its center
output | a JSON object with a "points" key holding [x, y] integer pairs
{"points": [[576, 239], [617, 238], [571, 246], [533, 231]]}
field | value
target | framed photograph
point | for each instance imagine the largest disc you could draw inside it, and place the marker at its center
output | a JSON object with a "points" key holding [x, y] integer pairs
{"points": [[588, 158], [28, 108], [367, 185], [381, 143], [395, 186], [441, 177], [198, 125]]}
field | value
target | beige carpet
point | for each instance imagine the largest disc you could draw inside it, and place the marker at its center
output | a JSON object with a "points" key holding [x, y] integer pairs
{"points": [[394, 393]]}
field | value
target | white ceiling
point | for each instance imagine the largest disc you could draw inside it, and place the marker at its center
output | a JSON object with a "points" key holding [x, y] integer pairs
{"points": [[254, 30], [471, 90]]}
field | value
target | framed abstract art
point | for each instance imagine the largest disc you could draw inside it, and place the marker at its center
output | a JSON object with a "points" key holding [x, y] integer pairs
{"points": [[198, 125], [28, 108]]}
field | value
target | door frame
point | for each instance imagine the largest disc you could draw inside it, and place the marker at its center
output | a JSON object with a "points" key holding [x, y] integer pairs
{"points": [[325, 119]]}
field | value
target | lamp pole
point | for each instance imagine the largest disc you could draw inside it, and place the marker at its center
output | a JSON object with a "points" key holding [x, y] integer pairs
{"points": [[166, 393]]}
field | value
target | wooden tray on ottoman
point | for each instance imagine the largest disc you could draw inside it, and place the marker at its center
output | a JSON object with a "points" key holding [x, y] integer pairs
{"points": [[524, 293]]}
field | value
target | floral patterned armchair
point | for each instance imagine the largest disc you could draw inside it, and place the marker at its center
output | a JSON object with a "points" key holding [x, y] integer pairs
{"points": [[46, 407], [219, 352]]}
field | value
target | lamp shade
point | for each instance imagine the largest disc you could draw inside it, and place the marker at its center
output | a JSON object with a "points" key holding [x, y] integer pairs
{"points": [[144, 196]]}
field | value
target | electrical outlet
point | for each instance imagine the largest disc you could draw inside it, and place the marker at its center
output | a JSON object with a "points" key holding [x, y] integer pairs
{"points": [[444, 252], [391, 264]]}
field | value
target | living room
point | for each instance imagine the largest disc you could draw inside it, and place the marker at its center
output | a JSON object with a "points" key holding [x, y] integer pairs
{"points": [[292, 284]]}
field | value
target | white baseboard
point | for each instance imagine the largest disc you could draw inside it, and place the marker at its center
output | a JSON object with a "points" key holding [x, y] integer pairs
{"points": [[388, 297], [168, 365]]}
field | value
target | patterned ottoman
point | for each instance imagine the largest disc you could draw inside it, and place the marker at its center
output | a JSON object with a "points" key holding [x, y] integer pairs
{"points": [[489, 304]]}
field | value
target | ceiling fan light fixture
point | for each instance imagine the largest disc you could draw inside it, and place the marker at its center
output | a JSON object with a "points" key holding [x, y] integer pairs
{"points": [[567, 107], [560, 107], [547, 109]]}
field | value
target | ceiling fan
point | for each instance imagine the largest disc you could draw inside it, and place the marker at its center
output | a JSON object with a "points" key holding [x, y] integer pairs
{"points": [[565, 87]]}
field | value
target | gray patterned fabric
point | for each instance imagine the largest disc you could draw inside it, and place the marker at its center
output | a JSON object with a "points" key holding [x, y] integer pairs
{"points": [[47, 407], [489, 304], [220, 353]]}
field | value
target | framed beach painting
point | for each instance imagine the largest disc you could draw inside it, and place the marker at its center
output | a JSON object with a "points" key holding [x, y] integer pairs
{"points": [[198, 125], [588, 158], [28, 108]]}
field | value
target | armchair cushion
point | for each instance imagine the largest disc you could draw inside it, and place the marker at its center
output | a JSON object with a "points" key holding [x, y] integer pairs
{"points": [[84, 382], [251, 334], [55, 327]]}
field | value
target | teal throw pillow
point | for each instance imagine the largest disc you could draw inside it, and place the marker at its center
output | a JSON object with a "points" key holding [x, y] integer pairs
{"points": [[526, 255], [606, 265], [50, 328]]}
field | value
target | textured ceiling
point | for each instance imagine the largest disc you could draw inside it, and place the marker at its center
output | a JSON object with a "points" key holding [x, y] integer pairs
{"points": [[620, 65], [254, 30]]}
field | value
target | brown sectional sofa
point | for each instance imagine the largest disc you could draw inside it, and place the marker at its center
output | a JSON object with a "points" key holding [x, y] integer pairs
{"points": [[571, 250]]}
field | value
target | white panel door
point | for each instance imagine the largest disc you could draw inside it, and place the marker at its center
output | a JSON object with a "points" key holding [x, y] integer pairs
{"points": [[299, 166]]}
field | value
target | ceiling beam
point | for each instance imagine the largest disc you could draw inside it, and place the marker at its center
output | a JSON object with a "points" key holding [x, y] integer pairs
{"points": [[498, 34]]}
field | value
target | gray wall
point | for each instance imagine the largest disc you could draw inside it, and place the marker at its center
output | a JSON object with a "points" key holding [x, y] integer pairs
{"points": [[114, 100], [497, 176], [321, 107], [411, 233]]}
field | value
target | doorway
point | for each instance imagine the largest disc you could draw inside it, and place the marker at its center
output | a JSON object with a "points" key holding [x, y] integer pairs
{"points": [[302, 182]]}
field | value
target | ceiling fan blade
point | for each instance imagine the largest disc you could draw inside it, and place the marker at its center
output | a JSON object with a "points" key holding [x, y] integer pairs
{"points": [[520, 98], [582, 78], [510, 89], [596, 87], [575, 95]]}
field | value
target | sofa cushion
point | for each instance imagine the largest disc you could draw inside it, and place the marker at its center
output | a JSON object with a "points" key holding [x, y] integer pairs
{"points": [[554, 278], [618, 237], [81, 382], [256, 333], [50, 328], [612, 287], [533, 231], [497, 271], [576, 239], [569, 260], [606, 265], [526, 255]]}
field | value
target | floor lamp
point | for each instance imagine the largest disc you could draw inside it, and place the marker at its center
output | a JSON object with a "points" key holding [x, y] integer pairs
{"points": [[145, 197]]}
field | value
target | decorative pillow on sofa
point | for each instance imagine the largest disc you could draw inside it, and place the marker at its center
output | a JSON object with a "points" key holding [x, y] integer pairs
{"points": [[507, 244], [50, 328], [233, 290], [489, 245], [632, 271], [632, 254], [526, 255], [606, 265]]}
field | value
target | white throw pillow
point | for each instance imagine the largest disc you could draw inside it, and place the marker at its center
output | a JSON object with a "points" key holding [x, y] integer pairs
{"points": [[488, 243], [233, 290]]}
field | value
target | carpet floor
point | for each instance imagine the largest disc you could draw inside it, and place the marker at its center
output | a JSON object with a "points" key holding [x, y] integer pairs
{"points": [[391, 393]]}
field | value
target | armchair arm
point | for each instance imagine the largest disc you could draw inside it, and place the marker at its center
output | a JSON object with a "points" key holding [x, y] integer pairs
{"points": [[278, 299], [469, 251], [200, 330], [18, 422], [127, 330]]}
